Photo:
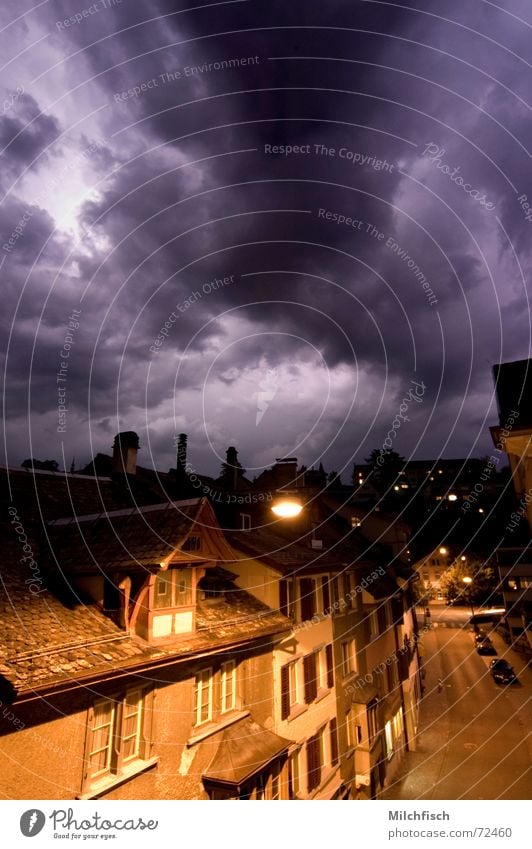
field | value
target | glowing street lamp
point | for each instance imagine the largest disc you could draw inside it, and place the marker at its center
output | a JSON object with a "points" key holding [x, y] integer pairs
{"points": [[452, 497], [443, 550], [287, 507]]}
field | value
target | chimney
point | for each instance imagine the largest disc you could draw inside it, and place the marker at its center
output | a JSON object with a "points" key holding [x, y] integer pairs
{"points": [[285, 471], [125, 448], [232, 464], [181, 454]]}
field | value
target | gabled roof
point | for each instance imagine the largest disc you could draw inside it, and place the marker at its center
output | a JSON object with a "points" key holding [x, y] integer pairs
{"points": [[136, 538]]}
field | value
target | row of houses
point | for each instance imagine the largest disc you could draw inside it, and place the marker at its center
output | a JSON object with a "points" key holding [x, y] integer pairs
{"points": [[167, 640]]}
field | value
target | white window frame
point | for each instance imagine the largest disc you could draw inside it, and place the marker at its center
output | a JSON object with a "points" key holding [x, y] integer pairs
{"points": [[117, 762], [228, 673], [293, 684], [199, 685], [110, 722]]}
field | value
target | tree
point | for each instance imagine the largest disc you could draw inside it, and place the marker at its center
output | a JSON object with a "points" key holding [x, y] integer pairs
{"points": [[482, 587], [45, 465], [385, 468]]}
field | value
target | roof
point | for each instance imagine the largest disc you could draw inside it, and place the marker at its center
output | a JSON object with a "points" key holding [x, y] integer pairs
{"points": [[245, 748], [39, 495], [123, 539], [52, 636], [292, 555], [48, 635], [295, 558]]}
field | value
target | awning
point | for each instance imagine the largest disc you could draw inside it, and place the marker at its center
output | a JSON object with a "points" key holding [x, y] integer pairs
{"points": [[245, 749]]}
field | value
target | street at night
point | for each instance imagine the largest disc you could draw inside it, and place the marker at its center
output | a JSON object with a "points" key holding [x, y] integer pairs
{"points": [[475, 736]]}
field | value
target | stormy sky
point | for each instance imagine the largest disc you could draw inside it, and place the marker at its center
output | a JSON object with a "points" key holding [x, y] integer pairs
{"points": [[262, 224]]}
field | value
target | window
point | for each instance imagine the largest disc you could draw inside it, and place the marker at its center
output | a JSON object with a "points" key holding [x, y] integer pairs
{"points": [[315, 759], [398, 726], [381, 616], [203, 696], [347, 589], [330, 665], [286, 598], [388, 733], [348, 658], [310, 673], [325, 594], [289, 689], [228, 686], [373, 625], [101, 739], [173, 588], [293, 775], [307, 594], [373, 727], [117, 736], [260, 784], [276, 785], [192, 543], [333, 732], [351, 728], [393, 677]]}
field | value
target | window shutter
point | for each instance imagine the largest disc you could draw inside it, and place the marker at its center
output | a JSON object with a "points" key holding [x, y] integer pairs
{"points": [[334, 741], [285, 692], [283, 597], [330, 665], [311, 683], [306, 588], [313, 763]]}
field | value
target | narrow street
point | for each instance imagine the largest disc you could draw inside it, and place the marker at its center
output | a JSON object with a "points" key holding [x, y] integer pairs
{"points": [[474, 736]]}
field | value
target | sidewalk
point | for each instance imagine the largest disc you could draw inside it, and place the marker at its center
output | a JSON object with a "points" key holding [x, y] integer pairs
{"points": [[421, 769]]}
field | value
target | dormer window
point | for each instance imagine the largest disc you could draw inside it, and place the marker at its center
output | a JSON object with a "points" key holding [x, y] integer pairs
{"points": [[172, 603], [173, 588]]}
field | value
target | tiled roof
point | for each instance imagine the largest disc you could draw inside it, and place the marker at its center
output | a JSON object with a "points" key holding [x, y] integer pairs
{"points": [[46, 638], [52, 495], [121, 539], [57, 636]]}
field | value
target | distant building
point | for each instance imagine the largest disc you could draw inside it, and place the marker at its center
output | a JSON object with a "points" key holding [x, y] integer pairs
{"points": [[513, 436]]}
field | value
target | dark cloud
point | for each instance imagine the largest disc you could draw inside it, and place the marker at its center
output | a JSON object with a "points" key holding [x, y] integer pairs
{"points": [[188, 205]]}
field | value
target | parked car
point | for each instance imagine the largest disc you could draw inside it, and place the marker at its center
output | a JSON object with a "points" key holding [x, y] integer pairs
{"points": [[485, 646], [480, 637], [502, 672]]}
